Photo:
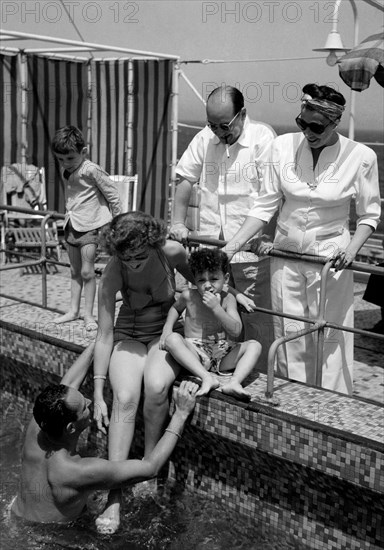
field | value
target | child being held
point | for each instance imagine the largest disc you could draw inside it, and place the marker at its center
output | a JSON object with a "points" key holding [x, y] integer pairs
{"points": [[212, 322], [91, 201]]}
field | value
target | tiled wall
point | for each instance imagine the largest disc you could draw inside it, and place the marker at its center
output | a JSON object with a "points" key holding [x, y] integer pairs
{"points": [[317, 484]]}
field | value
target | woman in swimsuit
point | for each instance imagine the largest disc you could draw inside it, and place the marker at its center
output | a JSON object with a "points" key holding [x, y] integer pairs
{"points": [[142, 269]]}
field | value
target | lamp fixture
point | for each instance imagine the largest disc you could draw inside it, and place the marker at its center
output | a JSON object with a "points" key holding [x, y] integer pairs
{"points": [[333, 46]]}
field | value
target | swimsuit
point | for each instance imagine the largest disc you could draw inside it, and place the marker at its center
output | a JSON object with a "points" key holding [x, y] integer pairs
{"points": [[211, 352], [148, 295], [80, 238]]}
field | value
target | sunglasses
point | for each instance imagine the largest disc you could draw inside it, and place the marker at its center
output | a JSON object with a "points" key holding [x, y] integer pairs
{"points": [[225, 125], [315, 127]]}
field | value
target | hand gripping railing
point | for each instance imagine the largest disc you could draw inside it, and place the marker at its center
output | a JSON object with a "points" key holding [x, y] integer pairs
{"points": [[318, 325]]}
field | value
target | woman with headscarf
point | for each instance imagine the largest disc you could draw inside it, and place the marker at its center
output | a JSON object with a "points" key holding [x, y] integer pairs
{"points": [[312, 177]]}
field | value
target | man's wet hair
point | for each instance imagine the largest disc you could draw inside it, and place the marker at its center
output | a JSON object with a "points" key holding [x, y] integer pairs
{"points": [[51, 412], [208, 259]]}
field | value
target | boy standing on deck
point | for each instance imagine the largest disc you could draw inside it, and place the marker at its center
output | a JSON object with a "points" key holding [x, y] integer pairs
{"points": [[211, 321], [91, 201]]}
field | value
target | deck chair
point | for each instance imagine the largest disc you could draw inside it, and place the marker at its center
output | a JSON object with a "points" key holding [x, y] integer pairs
{"points": [[127, 188], [24, 185]]}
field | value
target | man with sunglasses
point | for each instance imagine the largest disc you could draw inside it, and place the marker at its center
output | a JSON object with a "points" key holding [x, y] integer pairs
{"points": [[226, 158], [313, 176]]}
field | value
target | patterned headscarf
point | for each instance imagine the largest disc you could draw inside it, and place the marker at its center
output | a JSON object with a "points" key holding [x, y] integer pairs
{"points": [[331, 110]]}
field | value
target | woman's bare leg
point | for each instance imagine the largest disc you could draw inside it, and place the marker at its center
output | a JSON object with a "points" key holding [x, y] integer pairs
{"points": [[159, 374], [126, 375]]}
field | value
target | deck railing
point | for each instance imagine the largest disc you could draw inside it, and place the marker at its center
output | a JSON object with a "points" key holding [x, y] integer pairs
{"points": [[317, 325], [44, 259]]}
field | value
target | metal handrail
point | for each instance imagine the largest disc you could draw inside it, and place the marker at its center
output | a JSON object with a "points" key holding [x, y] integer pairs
{"points": [[43, 260], [318, 325]]}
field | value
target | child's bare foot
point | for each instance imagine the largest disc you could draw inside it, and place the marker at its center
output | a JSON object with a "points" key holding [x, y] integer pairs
{"points": [[90, 323], [66, 318], [235, 389], [208, 384]]}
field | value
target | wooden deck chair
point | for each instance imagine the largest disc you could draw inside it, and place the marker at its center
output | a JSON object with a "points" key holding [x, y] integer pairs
{"points": [[25, 186], [127, 188]]}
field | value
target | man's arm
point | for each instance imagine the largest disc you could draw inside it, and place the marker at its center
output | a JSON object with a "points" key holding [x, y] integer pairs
{"points": [[97, 473], [178, 230], [250, 227], [77, 372]]}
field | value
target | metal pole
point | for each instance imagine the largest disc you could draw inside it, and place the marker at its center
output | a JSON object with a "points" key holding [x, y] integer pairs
{"points": [[194, 90], [351, 129], [174, 121], [23, 108], [44, 259], [85, 44], [129, 171], [321, 320], [272, 352], [88, 138]]}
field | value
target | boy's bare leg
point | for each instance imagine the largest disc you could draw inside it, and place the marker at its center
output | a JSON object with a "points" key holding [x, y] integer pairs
{"points": [[245, 357], [187, 358], [74, 255], [125, 374], [88, 255]]}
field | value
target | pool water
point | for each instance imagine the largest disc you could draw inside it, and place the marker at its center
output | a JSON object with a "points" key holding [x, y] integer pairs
{"points": [[153, 519]]}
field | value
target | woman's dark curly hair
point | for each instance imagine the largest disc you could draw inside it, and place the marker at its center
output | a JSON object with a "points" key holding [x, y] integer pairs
{"points": [[51, 412], [132, 231], [208, 259], [324, 92]]}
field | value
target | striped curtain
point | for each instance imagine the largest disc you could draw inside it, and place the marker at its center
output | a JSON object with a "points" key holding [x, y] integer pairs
{"points": [[110, 103], [152, 86], [57, 96], [131, 117], [10, 119]]}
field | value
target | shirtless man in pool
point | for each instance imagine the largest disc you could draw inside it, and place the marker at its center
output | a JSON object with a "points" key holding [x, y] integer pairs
{"points": [[55, 481]]}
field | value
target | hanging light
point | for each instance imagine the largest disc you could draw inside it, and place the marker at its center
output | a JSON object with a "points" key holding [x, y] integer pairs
{"points": [[333, 46]]}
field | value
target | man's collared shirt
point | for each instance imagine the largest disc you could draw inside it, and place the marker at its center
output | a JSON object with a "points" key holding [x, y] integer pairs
{"points": [[228, 185]]}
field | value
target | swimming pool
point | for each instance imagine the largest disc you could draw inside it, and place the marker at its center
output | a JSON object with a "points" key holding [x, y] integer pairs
{"points": [[170, 517], [272, 475]]}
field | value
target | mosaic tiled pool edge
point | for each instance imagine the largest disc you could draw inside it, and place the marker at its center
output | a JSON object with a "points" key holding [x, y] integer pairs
{"points": [[322, 485]]}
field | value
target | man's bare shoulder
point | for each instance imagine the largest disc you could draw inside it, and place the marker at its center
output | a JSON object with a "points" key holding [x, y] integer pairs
{"points": [[31, 439], [67, 469]]}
